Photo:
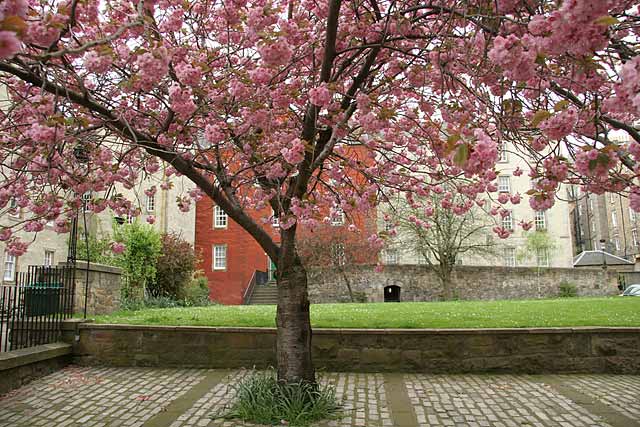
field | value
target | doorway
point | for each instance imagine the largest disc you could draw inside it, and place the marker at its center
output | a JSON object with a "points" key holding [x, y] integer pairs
{"points": [[392, 293]]}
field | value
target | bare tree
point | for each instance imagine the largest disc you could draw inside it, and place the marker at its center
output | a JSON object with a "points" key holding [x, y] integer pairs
{"points": [[432, 229]]}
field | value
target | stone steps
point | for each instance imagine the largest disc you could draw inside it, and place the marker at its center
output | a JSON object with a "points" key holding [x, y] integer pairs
{"points": [[265, 294]]}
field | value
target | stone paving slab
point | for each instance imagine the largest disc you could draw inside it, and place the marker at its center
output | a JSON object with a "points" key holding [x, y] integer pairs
{"points": [[620, 392], [140, 397]]}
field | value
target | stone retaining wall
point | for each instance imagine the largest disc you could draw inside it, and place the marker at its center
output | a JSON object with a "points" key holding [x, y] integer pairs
{"points": [[104, 288], [419, 283], [20, 367], [534, 351]]}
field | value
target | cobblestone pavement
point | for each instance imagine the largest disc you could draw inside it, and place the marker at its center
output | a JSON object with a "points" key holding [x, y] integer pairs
{"points": [[139, 397], [620, 392]]}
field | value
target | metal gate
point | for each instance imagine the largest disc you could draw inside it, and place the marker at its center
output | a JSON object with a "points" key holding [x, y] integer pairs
{"points": [[32, 310]]}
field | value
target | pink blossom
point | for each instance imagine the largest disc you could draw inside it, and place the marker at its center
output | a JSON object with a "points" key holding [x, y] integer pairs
{"points": [[117, 248], [151, 219], [181, 101], [5, 234], [526, 226], [515, 199], [502, 232], [560, 124], [9, 44], [16, 247], [260, 75], [188, 74], [503, 198], [96, 63], [152, 67], [13, 8], [295, 153], [277, 53], [517, 171], [320, 96]]}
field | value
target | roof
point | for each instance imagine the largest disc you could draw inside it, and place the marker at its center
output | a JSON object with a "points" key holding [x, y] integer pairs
{"points": [[598, 258]]}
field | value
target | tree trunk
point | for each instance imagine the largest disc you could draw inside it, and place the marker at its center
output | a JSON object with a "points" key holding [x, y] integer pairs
{"points": [[348, 283], [293, 350], [445, 281]]}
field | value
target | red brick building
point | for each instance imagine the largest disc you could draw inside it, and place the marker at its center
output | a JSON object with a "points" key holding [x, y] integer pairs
{"points": [[230, 256]]}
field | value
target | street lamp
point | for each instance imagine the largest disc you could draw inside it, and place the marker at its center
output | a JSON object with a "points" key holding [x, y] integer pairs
{"points": [[604, 262]]}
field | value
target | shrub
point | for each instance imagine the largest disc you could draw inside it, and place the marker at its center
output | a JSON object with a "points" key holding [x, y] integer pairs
{"points": [[197, 292], [262, 399], [142, 248], [175, 268], [567, 290]]}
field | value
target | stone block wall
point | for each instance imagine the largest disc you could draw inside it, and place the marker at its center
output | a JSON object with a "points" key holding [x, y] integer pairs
{"points": [[104, 288], [419, 283], [533, 351]]}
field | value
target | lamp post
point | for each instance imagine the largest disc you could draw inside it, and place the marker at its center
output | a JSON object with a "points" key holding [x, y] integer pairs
{"points": [[604, 261], [81, 155]]}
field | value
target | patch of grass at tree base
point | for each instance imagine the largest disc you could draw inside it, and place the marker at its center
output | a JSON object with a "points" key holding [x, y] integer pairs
{"points": [[261, 399]]}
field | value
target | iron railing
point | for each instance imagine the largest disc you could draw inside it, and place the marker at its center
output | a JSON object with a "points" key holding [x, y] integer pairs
{"points": [[32, 310], [258, 278]]}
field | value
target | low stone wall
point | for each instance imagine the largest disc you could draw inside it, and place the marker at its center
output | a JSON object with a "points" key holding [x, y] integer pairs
{"points": [[19, 367], [534, 351], [419, 283], [104, 288]]}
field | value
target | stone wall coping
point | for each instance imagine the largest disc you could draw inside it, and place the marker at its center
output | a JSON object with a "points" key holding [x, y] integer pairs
{"points": [[353, 331], [102, 268], [16, 358], [366, 267]]}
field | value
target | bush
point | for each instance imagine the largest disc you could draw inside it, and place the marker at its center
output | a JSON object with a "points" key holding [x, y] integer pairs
{"points": [[175, 268], [197, 292], [262, 399], [567, 290], [142, 248]]}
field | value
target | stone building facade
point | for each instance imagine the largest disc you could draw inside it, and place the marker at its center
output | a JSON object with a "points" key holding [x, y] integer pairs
{"points": [[508, 252]]}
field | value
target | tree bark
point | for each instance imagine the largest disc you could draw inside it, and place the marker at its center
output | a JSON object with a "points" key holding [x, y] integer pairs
{"points": [[293, 340]]}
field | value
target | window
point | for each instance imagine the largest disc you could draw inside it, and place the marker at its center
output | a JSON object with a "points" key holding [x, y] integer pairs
{"points": [[542, 257], [219, 217], [579, 210], [634, 237], [612, 197], [614, 219], [593, 227], [504, 157], [220, 257], [541, 220], [337, 218], [591, 204], [9, 268], [48, 258], [151, 202], [275, 219], [504, 184], [510, 257], [507, 221], [388, 225], [632, 214], [616, 241], [14, 209], [86, 200], [337, 254], [391, 256], [130, 219]]}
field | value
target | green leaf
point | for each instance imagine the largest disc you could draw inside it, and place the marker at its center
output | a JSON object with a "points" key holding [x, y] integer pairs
{"points": [[561, 105], [606, 20], [462, 155], [539, 116]]}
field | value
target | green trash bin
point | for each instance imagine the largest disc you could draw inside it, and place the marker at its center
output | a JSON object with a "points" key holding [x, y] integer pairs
{"points": [[41, 299]]}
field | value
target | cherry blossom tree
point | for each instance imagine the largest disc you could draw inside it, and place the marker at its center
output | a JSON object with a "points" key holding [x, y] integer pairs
{"points": [[258, 103]]}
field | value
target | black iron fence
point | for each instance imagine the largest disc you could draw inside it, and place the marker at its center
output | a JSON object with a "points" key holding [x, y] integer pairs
{"points": [[32, 310]]}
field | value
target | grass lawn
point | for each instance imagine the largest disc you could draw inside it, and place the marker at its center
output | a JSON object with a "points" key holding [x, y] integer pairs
{"points": [[614, 311]]}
